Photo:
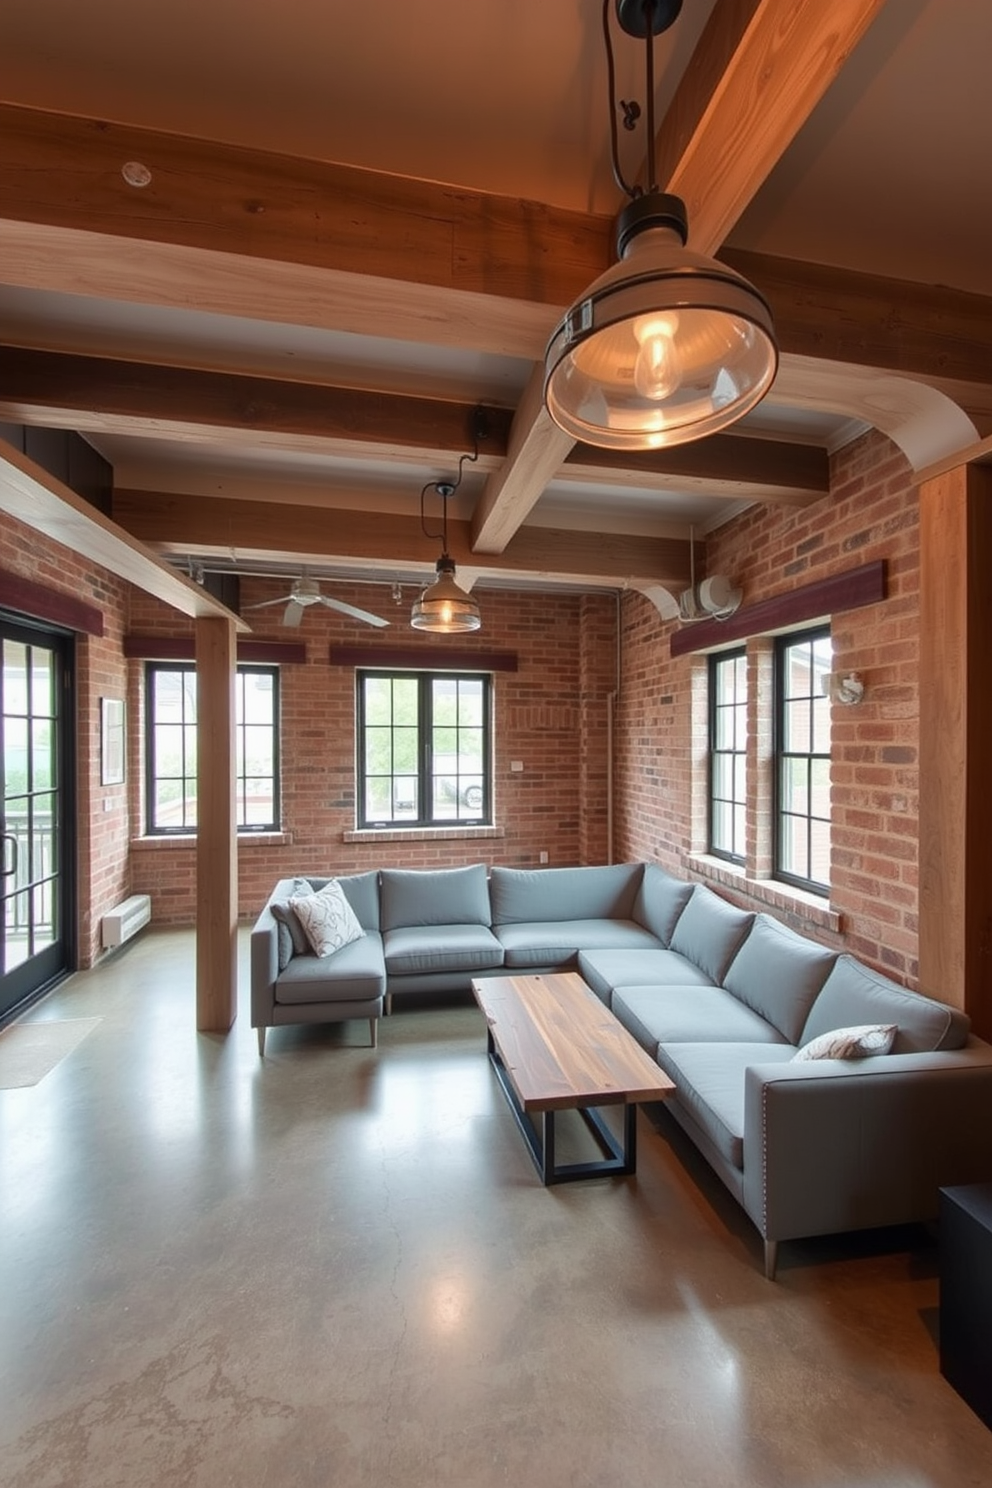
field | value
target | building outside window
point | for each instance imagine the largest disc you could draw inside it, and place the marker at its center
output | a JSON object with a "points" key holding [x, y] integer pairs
{"points": [[171, 740], [802, 760], [423, 749], [728, 755]]}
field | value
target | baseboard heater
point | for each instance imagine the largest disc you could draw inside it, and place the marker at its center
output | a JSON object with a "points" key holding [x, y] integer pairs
{"points": [[125, 920]]}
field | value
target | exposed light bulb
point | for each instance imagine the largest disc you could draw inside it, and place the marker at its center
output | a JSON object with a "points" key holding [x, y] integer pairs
{"points": [[658, 367]]}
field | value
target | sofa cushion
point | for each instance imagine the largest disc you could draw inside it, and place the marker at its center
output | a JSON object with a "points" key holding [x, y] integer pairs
{"points": [[522, 896], [356, 973], [558, 943], [778, 973], [361, 891], [414, 949], [710, 931], [709, 1084], [637, 966], [854, 993], [660, 900], [661, 1015], [849, 1043], [434, 896]]}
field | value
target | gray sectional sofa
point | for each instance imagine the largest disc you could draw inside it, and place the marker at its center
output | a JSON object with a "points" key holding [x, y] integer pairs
{"points": [[722, 998]]}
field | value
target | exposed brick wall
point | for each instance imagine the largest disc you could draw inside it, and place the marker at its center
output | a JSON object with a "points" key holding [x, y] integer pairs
{"points": [[550, 715], [103, 824], [872, 513]]}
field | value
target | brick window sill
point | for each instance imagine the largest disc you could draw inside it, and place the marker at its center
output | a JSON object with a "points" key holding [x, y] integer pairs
{"points": [[781, 896]]}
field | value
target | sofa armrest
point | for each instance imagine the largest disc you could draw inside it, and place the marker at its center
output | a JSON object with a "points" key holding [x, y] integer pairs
{"points": [[844, 1145], [264, 965]]}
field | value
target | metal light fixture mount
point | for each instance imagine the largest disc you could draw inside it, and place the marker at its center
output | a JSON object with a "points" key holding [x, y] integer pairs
{"points": [[667, 345]]}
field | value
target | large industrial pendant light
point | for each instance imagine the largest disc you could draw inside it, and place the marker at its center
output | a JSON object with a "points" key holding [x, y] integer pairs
{"points": [[668, 345], [444, 608]]}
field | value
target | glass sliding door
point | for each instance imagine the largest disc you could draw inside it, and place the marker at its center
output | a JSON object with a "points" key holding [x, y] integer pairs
{"points": [[35, 742]]}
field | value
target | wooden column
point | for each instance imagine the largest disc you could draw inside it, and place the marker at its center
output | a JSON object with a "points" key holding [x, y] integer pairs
{"points": [[216, 837], [955, 729]]}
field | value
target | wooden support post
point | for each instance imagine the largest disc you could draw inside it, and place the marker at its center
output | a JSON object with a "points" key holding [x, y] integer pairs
{"points": [[216, 837], [955, 721]]}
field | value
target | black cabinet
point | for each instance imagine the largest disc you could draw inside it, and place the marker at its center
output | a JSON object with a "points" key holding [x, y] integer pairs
{"points": [[966, 1294]]}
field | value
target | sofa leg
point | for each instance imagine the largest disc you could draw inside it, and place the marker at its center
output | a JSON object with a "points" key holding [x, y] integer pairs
{"points": [[374, 1030], [261, 1040], [771, 1258]]}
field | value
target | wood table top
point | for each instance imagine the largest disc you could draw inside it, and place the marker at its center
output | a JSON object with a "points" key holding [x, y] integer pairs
{"points": [[562, 1047]]}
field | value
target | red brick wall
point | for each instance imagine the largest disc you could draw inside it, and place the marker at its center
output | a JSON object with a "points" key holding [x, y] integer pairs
{"points": [[871, 513], [550, 716], [103, 820]]}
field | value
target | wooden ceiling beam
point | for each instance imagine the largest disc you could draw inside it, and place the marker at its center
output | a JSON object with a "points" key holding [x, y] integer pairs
{"points": [[920, 330], [200, 526], [103, 395], [60, 171], [760, 68]]}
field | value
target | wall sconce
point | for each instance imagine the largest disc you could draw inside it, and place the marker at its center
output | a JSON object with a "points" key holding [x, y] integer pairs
{"points": [[843, 687]]}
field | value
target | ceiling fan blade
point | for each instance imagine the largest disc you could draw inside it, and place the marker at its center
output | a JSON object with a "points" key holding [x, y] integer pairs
{"points": [[265, 603], [294, 613], [356, 614]]}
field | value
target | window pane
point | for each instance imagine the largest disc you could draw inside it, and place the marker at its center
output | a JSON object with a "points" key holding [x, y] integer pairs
{"points": [[42, 682], [797, 731], [821, 725], [15, 678], [820, 789], [378, 700], [795, 785], [405, 751], [724, 729], [819, 867], [257, 698], [405, 701], [803, 746], [722, 776], [430, 751], [740, 829], [723, 820], [740, 779]]}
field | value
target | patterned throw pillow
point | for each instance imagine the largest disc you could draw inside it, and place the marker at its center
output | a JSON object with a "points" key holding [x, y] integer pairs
{"points": [[850, 1043], [328, 919]]}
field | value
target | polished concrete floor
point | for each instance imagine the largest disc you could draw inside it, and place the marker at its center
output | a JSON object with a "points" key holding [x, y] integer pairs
{"points": [[337, 1267]]}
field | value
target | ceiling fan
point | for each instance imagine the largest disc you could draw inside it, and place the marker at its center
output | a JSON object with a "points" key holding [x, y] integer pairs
{"points": [[305, 592]]}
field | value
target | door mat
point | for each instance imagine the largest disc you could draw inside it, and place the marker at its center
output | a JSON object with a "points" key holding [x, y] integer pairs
{"points": [[30, 1051]]}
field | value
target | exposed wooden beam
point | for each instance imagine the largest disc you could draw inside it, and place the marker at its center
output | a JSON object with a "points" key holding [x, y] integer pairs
{"points": [[737, 466], [65, 172], [921, 330], [205, 526], [535, 453], [104, 395], [43, 503], [759, 70]]}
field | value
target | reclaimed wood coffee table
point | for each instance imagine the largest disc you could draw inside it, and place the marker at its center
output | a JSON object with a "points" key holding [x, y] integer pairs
{"points": [[555, 1047]]}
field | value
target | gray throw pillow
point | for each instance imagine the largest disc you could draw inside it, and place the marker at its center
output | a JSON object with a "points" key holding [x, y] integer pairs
{"points": [[292, 936]]}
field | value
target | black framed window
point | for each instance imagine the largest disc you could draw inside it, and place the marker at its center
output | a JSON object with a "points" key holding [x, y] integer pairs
{"points": [[728, 755], [171, 739], [424, 748], [802, 760]]}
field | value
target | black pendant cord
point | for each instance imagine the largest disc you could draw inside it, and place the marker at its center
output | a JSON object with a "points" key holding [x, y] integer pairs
{"points": [[447, 489], [632, 111]]}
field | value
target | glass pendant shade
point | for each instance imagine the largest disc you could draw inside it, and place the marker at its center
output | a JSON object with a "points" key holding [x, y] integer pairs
{"points": [[665, 347], [443, 607]]}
